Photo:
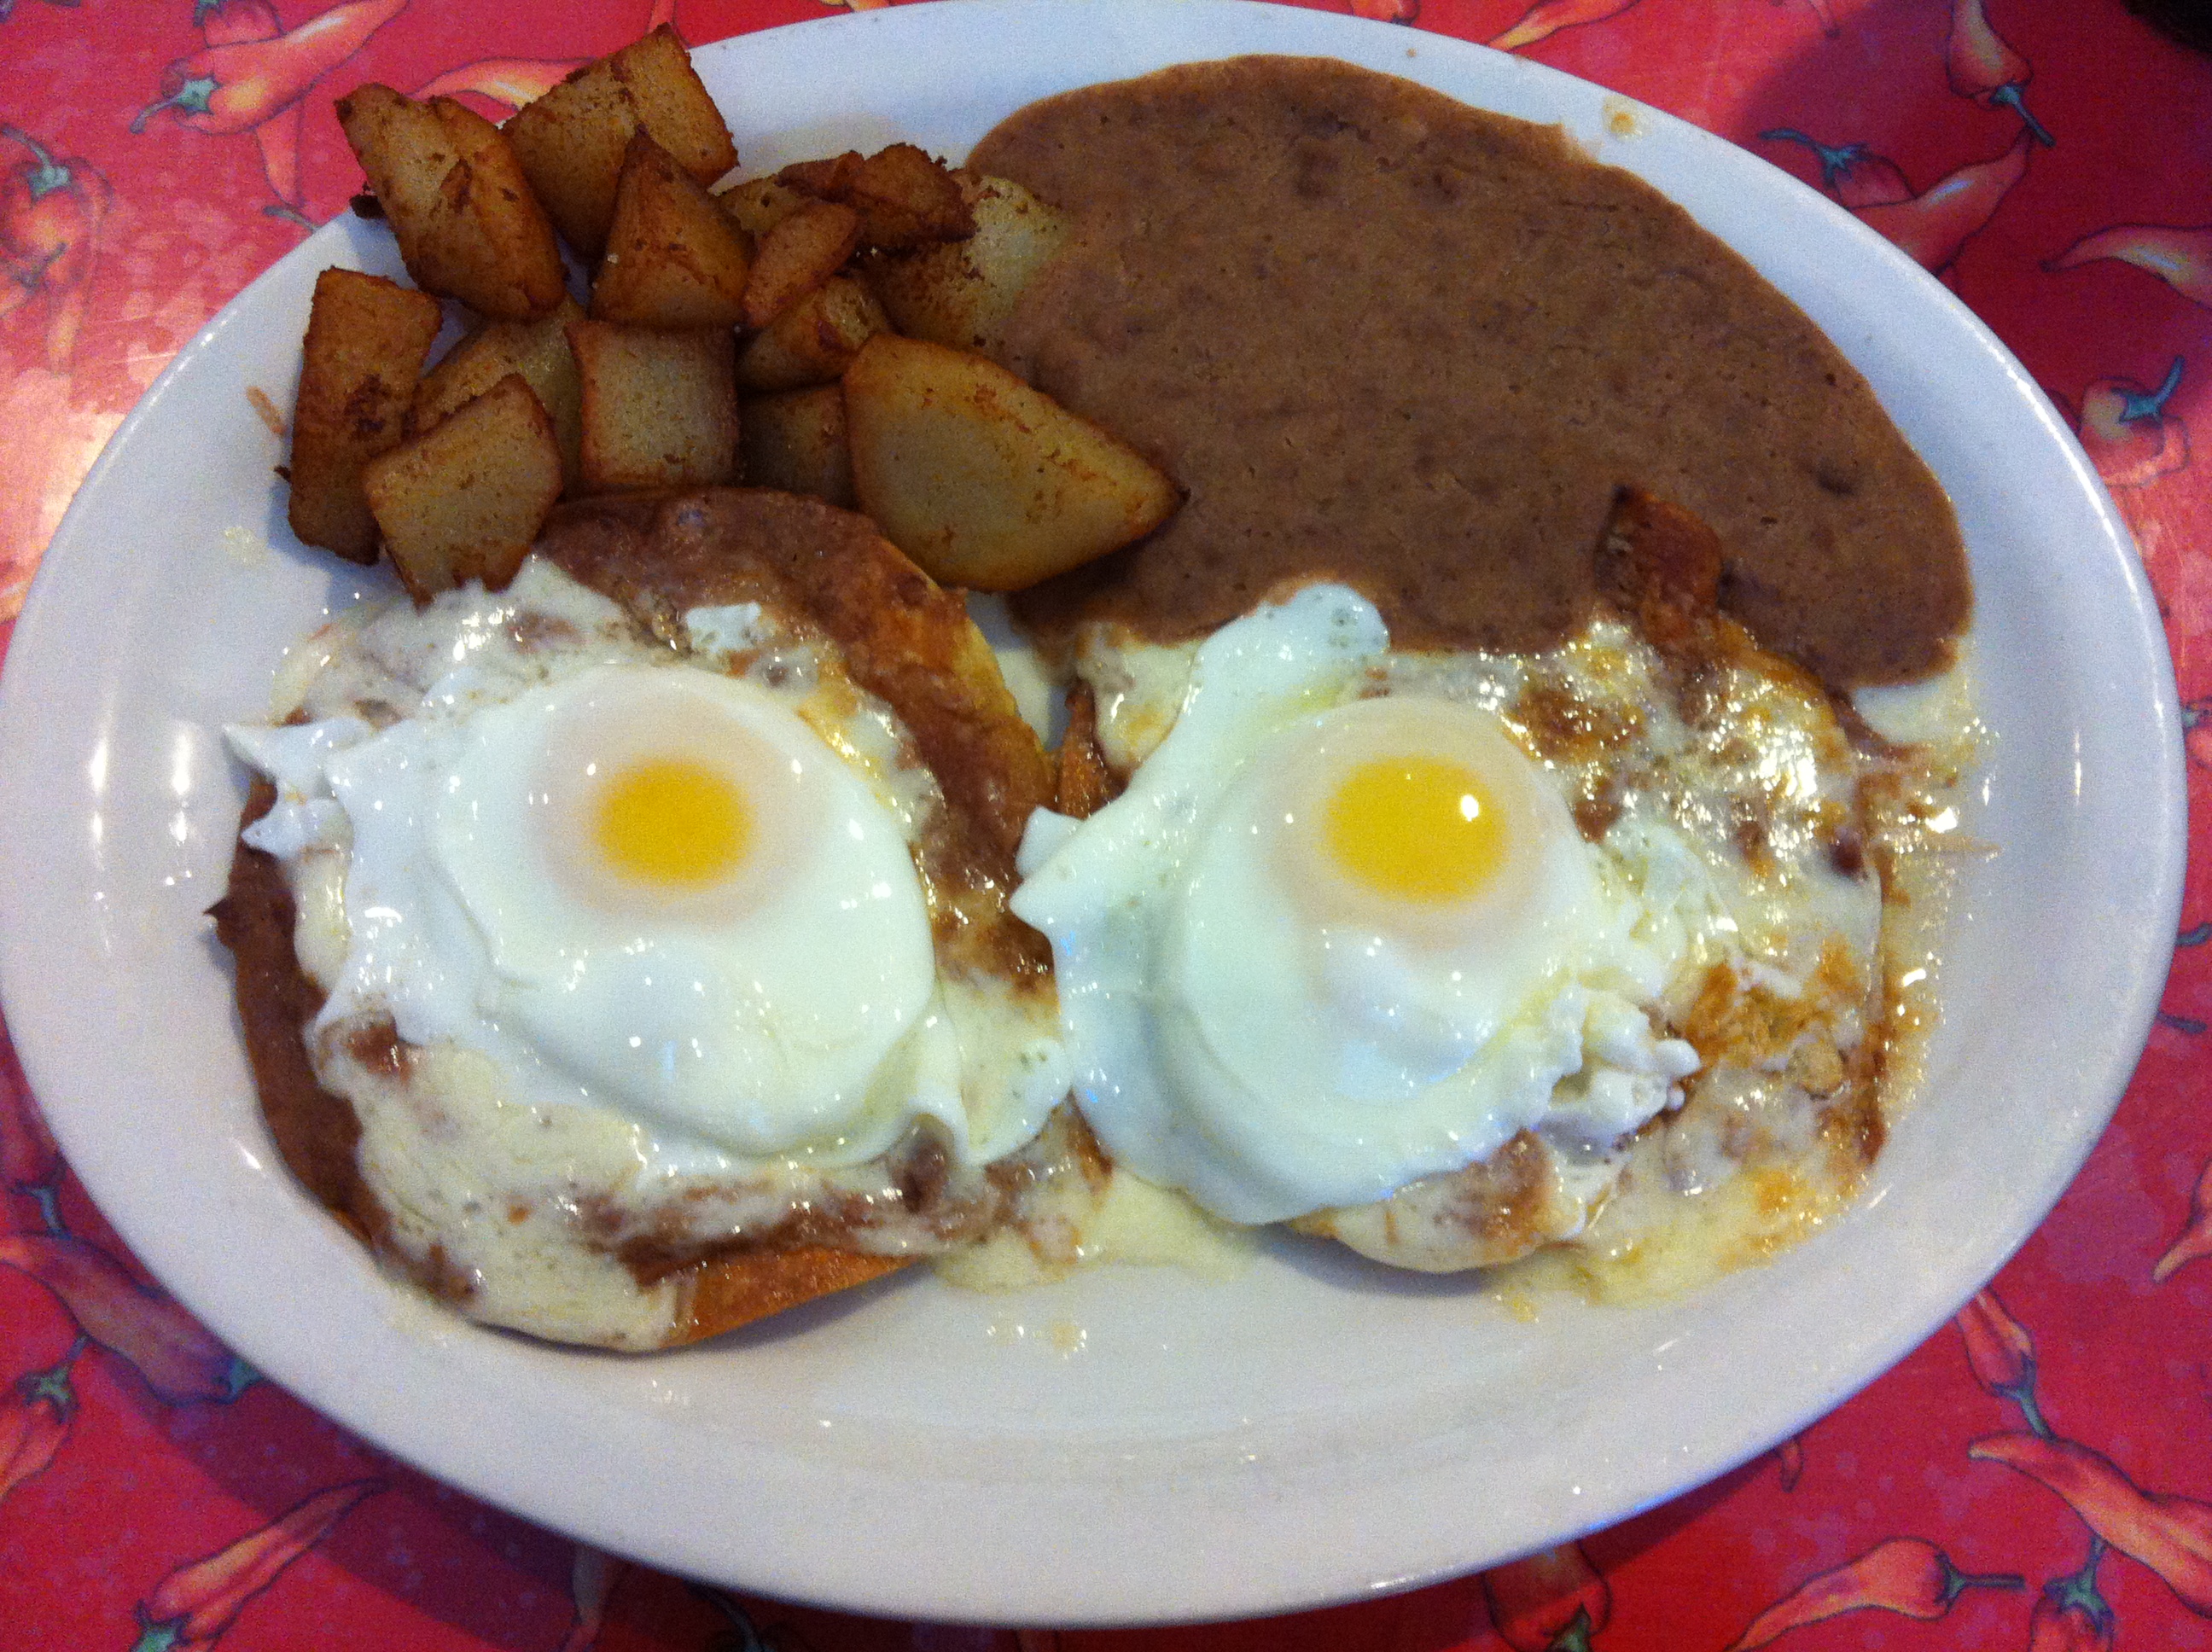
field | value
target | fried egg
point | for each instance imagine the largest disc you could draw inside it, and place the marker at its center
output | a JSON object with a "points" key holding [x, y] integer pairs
{"points": [[650, 927], [1357, 930]]}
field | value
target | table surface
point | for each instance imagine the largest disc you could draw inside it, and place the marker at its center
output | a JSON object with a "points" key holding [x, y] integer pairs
{"points": [[2049, 158]]}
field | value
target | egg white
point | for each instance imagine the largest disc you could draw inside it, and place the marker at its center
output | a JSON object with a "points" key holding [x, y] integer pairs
{"points": [[522, 1138], [1161, 913]]}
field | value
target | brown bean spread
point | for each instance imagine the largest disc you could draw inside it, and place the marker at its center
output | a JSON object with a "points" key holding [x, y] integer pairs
{"points": [[1382, 337]]}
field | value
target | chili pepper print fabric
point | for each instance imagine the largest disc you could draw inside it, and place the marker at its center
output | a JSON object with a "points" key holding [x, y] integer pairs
{"points": [[2037, 1475]]}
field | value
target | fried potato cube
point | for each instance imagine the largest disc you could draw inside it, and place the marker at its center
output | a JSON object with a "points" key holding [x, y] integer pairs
{"points": [[759, 205], [572, 139], [795, 442], [468, 226], [906, 198], [798, 256], [982, 481], [813, 341], [673, 260], [367, 339], [464, 501], [903, 196], [826, 180], [962, 293], [660, 408], [538, 350]]}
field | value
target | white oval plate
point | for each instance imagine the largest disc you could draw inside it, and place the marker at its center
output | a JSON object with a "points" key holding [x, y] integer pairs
{"points": [[1128, 1445]]}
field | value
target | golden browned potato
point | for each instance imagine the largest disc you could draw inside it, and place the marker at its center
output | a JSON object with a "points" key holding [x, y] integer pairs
{"points": [[984, 482], [813, 341], [660, 408], [795, 441], [538, 350], [903, 196], [798, 256], [673, 260], [825, 179], [367, 339], [467, 224], [962, 293], [572, 140], [759, 205], [464, 501], [906, 198]]}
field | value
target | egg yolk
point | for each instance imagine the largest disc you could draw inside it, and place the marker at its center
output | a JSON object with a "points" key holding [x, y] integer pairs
{"points": [[672, 823], [1420, 829]]}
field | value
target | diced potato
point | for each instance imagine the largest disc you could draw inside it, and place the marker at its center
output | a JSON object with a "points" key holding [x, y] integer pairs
{"points": [[464, 500], [367, 339], [468, 226], [825, 181], [538, 350], [796, 442], [903, 196], [572, 140], [814, 340], [674, 105], [798, 256], [963, 293], [660, 408], [907, 199], [984, 482], [759, 205], [673, 260]]}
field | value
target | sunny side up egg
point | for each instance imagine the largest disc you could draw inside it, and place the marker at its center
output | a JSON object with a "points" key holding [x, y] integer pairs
{"points": [[1354, 941], [650, 925]]}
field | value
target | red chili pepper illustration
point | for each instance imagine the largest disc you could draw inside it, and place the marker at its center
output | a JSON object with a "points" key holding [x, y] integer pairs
{"points": [[511, 81], [196, 1603], [1547, 17], [2196, 1238], [28, 1156], [2180, 258], [1789, 1462], [1984, 68], [517, 81], [1553, 1601], [170, 1349], [1932, 227], [50, 217], [1852, 173], [1825, 12], [2071, 1616], [237, 22], [226, 22], [2197, 740], [2131, 438], [2001, 1355], [1905, 1574], [2171, 1535], [234, 87], [34, 1419]]}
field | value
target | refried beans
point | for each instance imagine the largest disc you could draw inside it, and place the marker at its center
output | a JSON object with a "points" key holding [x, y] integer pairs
{"points": [[1379, 335]]}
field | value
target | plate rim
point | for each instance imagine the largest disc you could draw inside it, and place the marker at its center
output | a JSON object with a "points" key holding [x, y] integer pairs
{"points": [[16, 716]]}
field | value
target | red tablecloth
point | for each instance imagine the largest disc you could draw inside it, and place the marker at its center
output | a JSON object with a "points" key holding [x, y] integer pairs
{"points": [[2037, 1475]]}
